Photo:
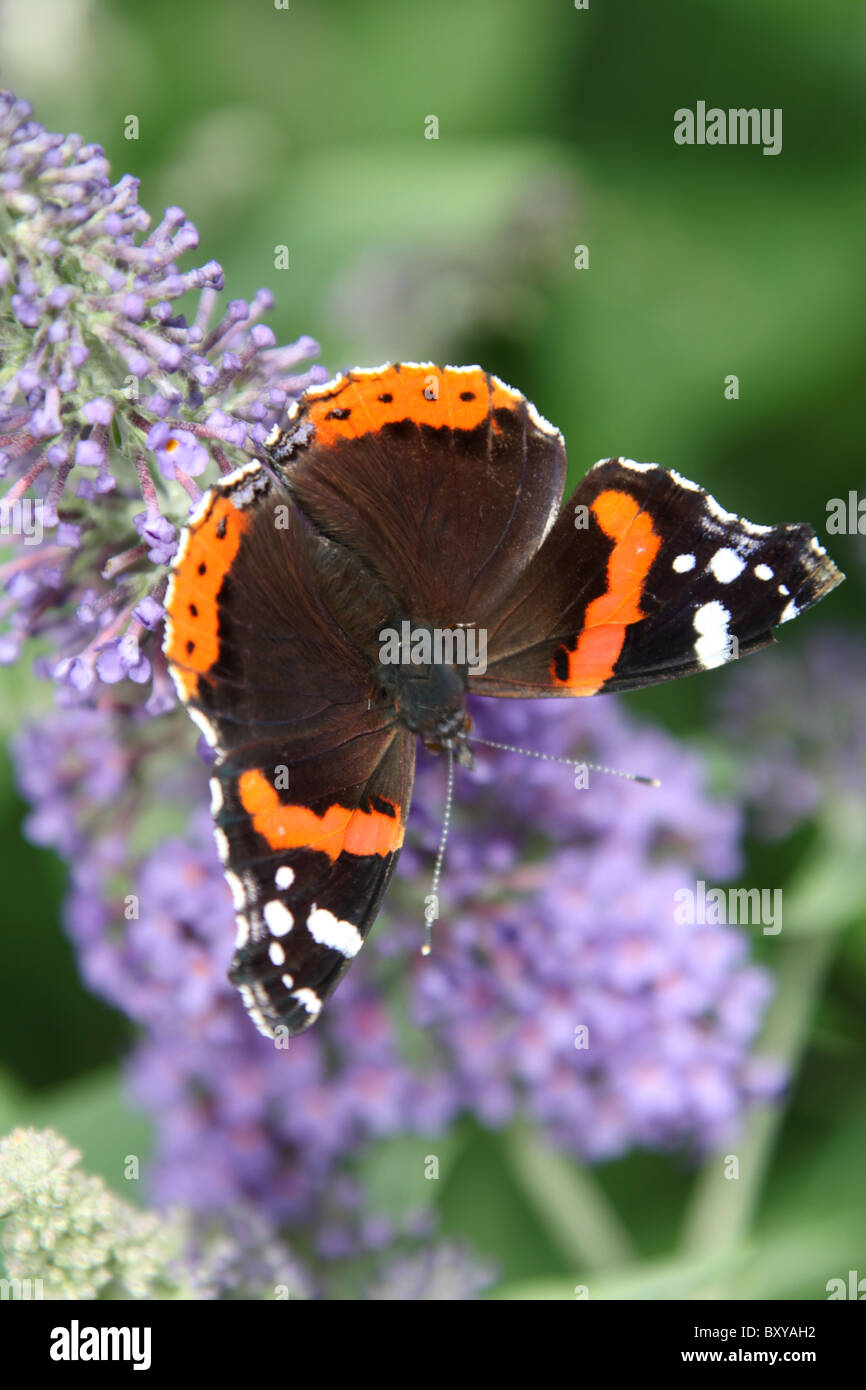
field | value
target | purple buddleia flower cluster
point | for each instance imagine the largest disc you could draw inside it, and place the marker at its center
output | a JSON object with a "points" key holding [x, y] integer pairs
{"points": [[112, 404], [564, 989], [557, 915]]}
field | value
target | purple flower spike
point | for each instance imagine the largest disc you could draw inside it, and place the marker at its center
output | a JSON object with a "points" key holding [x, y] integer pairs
{"points": [[69, 435], [579, 941]]}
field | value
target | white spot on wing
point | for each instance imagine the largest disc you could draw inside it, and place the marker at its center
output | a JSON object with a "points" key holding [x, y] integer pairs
{"points": [[791, 611], [276, 954], [763, 572], [712, 647], [311, 1002], [726, 564], [278, 917], [684, 563], [328, 930], [285, 876]]}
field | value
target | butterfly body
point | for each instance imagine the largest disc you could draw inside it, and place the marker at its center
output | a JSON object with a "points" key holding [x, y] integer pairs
{"points": [[428, 698]]}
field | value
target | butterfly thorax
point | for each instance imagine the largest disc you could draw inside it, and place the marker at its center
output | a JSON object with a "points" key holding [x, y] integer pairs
{"points": [[427, 691]]}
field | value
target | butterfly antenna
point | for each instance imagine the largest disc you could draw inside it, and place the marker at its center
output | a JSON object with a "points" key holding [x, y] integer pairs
{"points": [[431, 902], [567, 762]]}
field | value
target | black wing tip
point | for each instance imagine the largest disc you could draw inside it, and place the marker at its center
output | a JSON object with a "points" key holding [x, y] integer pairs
{"points": [[820, 573], [276, 1010]]}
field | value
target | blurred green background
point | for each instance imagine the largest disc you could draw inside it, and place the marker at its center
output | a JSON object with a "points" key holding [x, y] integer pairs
{"points": [[305, 127]]}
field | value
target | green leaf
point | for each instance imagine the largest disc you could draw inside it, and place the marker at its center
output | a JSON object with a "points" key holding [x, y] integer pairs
{"points": [[666, 1279], [394, 1171], [578, 1216]]}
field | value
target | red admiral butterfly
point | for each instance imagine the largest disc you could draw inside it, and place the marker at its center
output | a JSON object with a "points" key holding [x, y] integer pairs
{"points": [[317, 602]]}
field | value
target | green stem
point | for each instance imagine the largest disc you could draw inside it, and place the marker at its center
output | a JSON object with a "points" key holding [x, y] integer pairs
{"points": [[576, 1213], [827, 893], [722, 1209]]}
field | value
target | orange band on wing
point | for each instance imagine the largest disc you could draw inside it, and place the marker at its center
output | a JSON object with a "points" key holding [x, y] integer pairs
{"points": [[600, 643], [340, 830], [426, 395], [192, 631]]}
